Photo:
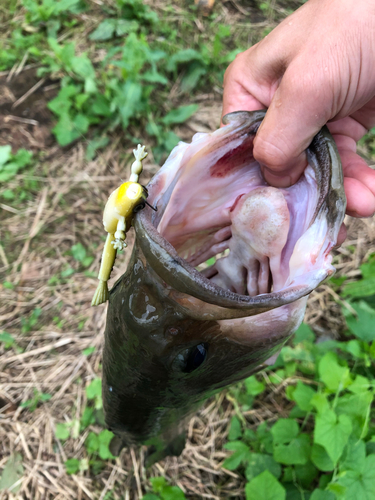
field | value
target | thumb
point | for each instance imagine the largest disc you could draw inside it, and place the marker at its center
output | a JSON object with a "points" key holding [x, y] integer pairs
{"points": [[300, 106]]}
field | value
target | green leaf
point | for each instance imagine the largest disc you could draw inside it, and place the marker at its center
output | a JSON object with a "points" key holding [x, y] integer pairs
{"points": [[265, 487], [183, 57], [258, 463], [92, 443], [82, 66], [355, 405], [191, 78], [363, 326], [332, 374], [368, 269], [354, 456], [322, 495], [158, 483], [305, 474], [129, 101], [5, 154], [22, 158], [361, 288], [320, 458], [241, 454], [94, 389], [78, 252], [62, 102], [320, 402], [150, 496], [294, 453], [332, 433], [105, 437], [104, 31], [172, 493], [360, 385], [125, 26], [66, 55], [253, 386], [303, 333], [338, 490], [62, 431], [67, 272], [154, 77], [72, 466], [7, 339], [354, 348], [180, 115], [284, 430], [302, 395], [81, 123], [87, 417], [298, 353], [9, 169], [235, 430], [12, 473], [100, 106], [65, 130], [360, 485], [88, 351], [265, 437]]}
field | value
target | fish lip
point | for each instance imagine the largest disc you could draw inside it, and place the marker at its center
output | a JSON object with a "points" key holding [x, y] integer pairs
{"points": [[183, 277]]}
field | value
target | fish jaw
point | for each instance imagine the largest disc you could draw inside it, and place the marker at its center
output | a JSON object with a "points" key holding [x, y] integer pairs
{"points": [[199, 193]]}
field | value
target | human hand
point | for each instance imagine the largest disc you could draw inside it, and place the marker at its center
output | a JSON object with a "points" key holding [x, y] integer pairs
{"points": [[316, 67]]}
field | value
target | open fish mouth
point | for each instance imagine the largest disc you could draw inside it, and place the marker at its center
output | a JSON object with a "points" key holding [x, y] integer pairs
{"points": [[265, 245], [218, 279]]}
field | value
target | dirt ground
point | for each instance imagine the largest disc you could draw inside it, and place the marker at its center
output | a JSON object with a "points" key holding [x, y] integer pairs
{"points": [[69, 194]]}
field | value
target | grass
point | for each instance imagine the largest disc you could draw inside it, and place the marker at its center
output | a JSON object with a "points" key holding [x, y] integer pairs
{"points": [[88, 58]]}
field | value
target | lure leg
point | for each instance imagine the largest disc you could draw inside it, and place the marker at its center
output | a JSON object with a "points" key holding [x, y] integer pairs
{"points": [[108, 259], [120, 235]]}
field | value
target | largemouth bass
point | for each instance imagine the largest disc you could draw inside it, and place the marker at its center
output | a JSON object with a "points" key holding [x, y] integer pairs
{"points": [[176, 334]]}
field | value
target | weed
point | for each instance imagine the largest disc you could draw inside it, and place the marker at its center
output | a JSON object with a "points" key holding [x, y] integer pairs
{"points": [[162, 491], [11, 164], [39, 397], [27, 324], [7, 340], [324, 447]]}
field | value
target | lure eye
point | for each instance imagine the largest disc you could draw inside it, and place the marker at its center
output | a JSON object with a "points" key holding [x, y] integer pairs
{"points": [[139, 207], [196, 358]]}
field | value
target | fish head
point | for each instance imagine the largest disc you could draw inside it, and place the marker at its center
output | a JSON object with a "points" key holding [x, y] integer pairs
{"points": [[218, 279]]}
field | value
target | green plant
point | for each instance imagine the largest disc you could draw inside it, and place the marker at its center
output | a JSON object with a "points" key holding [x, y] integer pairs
{"points": [[27, 324], [38, 397], [11, 164], [79, 253], [163, 491], [325, 448], [7, 339]]}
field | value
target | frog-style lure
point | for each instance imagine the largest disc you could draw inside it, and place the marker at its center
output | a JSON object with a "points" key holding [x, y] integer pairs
{"points": [[126, 200]]}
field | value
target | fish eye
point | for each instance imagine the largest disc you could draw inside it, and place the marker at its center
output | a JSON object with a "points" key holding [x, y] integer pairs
{"points": [[139, 207], [196, 357]]}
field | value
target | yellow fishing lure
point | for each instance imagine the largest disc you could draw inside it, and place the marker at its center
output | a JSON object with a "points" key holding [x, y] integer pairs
{"points": [[118, 214]]}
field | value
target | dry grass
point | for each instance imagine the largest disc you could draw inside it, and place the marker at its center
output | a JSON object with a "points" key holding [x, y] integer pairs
{"points": [[35, 242]]}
